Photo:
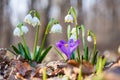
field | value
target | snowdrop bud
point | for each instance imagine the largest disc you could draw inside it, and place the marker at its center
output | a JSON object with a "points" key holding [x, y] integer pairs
{"points": [[38, 47], [24, 29], [89, 39], [35, 21], [56, 28], [69, 18], [28, 19], [119, 49], [17, 32], [73, 37], [74, 31]]}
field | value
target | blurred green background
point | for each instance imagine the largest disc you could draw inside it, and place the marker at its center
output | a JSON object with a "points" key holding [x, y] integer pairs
{"points": [[101, 16]]}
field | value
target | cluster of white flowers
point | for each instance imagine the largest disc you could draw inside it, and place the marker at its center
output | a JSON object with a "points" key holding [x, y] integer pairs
{"points": [[69, 18], [73, 34], [18, 31], [34, 21], [56, 28]]}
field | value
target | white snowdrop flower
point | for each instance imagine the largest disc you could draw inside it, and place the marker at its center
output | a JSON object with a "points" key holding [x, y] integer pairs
{"points": [[74, 37], [24, 29], [69, 18], [56, 28], [89, 39], [35, 21], [17, 32], [28, 19], [73, 31]]}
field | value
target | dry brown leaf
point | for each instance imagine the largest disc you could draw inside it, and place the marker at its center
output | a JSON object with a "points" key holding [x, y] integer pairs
{"points": [[87, 68], [23, 68], [73, 62]]}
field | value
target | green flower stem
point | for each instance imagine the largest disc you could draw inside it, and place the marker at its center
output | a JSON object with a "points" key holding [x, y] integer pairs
{"points": [[95, 51], [25, 45], [36, 42], [44, 38], [44, 74], [73, 12], [78, 49], [80, 73], [83, 36]]}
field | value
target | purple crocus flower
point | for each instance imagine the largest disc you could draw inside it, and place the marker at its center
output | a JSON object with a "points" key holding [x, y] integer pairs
{"points": [[68, 47]]}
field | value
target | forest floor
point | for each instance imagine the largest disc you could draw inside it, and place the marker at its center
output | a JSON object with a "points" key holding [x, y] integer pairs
{"points": [[16, 68]]}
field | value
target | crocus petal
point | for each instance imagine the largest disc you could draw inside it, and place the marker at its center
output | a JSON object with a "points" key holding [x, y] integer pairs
{"points": [[62, 47], [62, 42], [67, 48], [74, 46]]}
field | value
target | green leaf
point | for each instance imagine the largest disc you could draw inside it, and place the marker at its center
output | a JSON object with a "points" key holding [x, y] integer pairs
{"points": [[37, 54], [43, 55], [37, 14], [86, 55], [22, 50], [59, 53], [29, 54], [97, 64], [100, 64], [73, 12], [103, 63], [73, 55], [94, 58], [68, 31], [15, 49]]}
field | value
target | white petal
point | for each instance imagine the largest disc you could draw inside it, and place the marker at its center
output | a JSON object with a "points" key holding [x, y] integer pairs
{"points": [[74, 31], [17, 32], [89, 39], [35, 21], [24, 29], [69, 18], [56, 28], [73, 37], [28, 19]]}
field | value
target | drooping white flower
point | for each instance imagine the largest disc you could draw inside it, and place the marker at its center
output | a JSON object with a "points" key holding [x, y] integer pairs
{"points": [[74, 37], [24, 29], [69, 18], [73, 31], [35, 21], [73, 34], [56, 28], [89, 39], [17, 32], [28, 19]]}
